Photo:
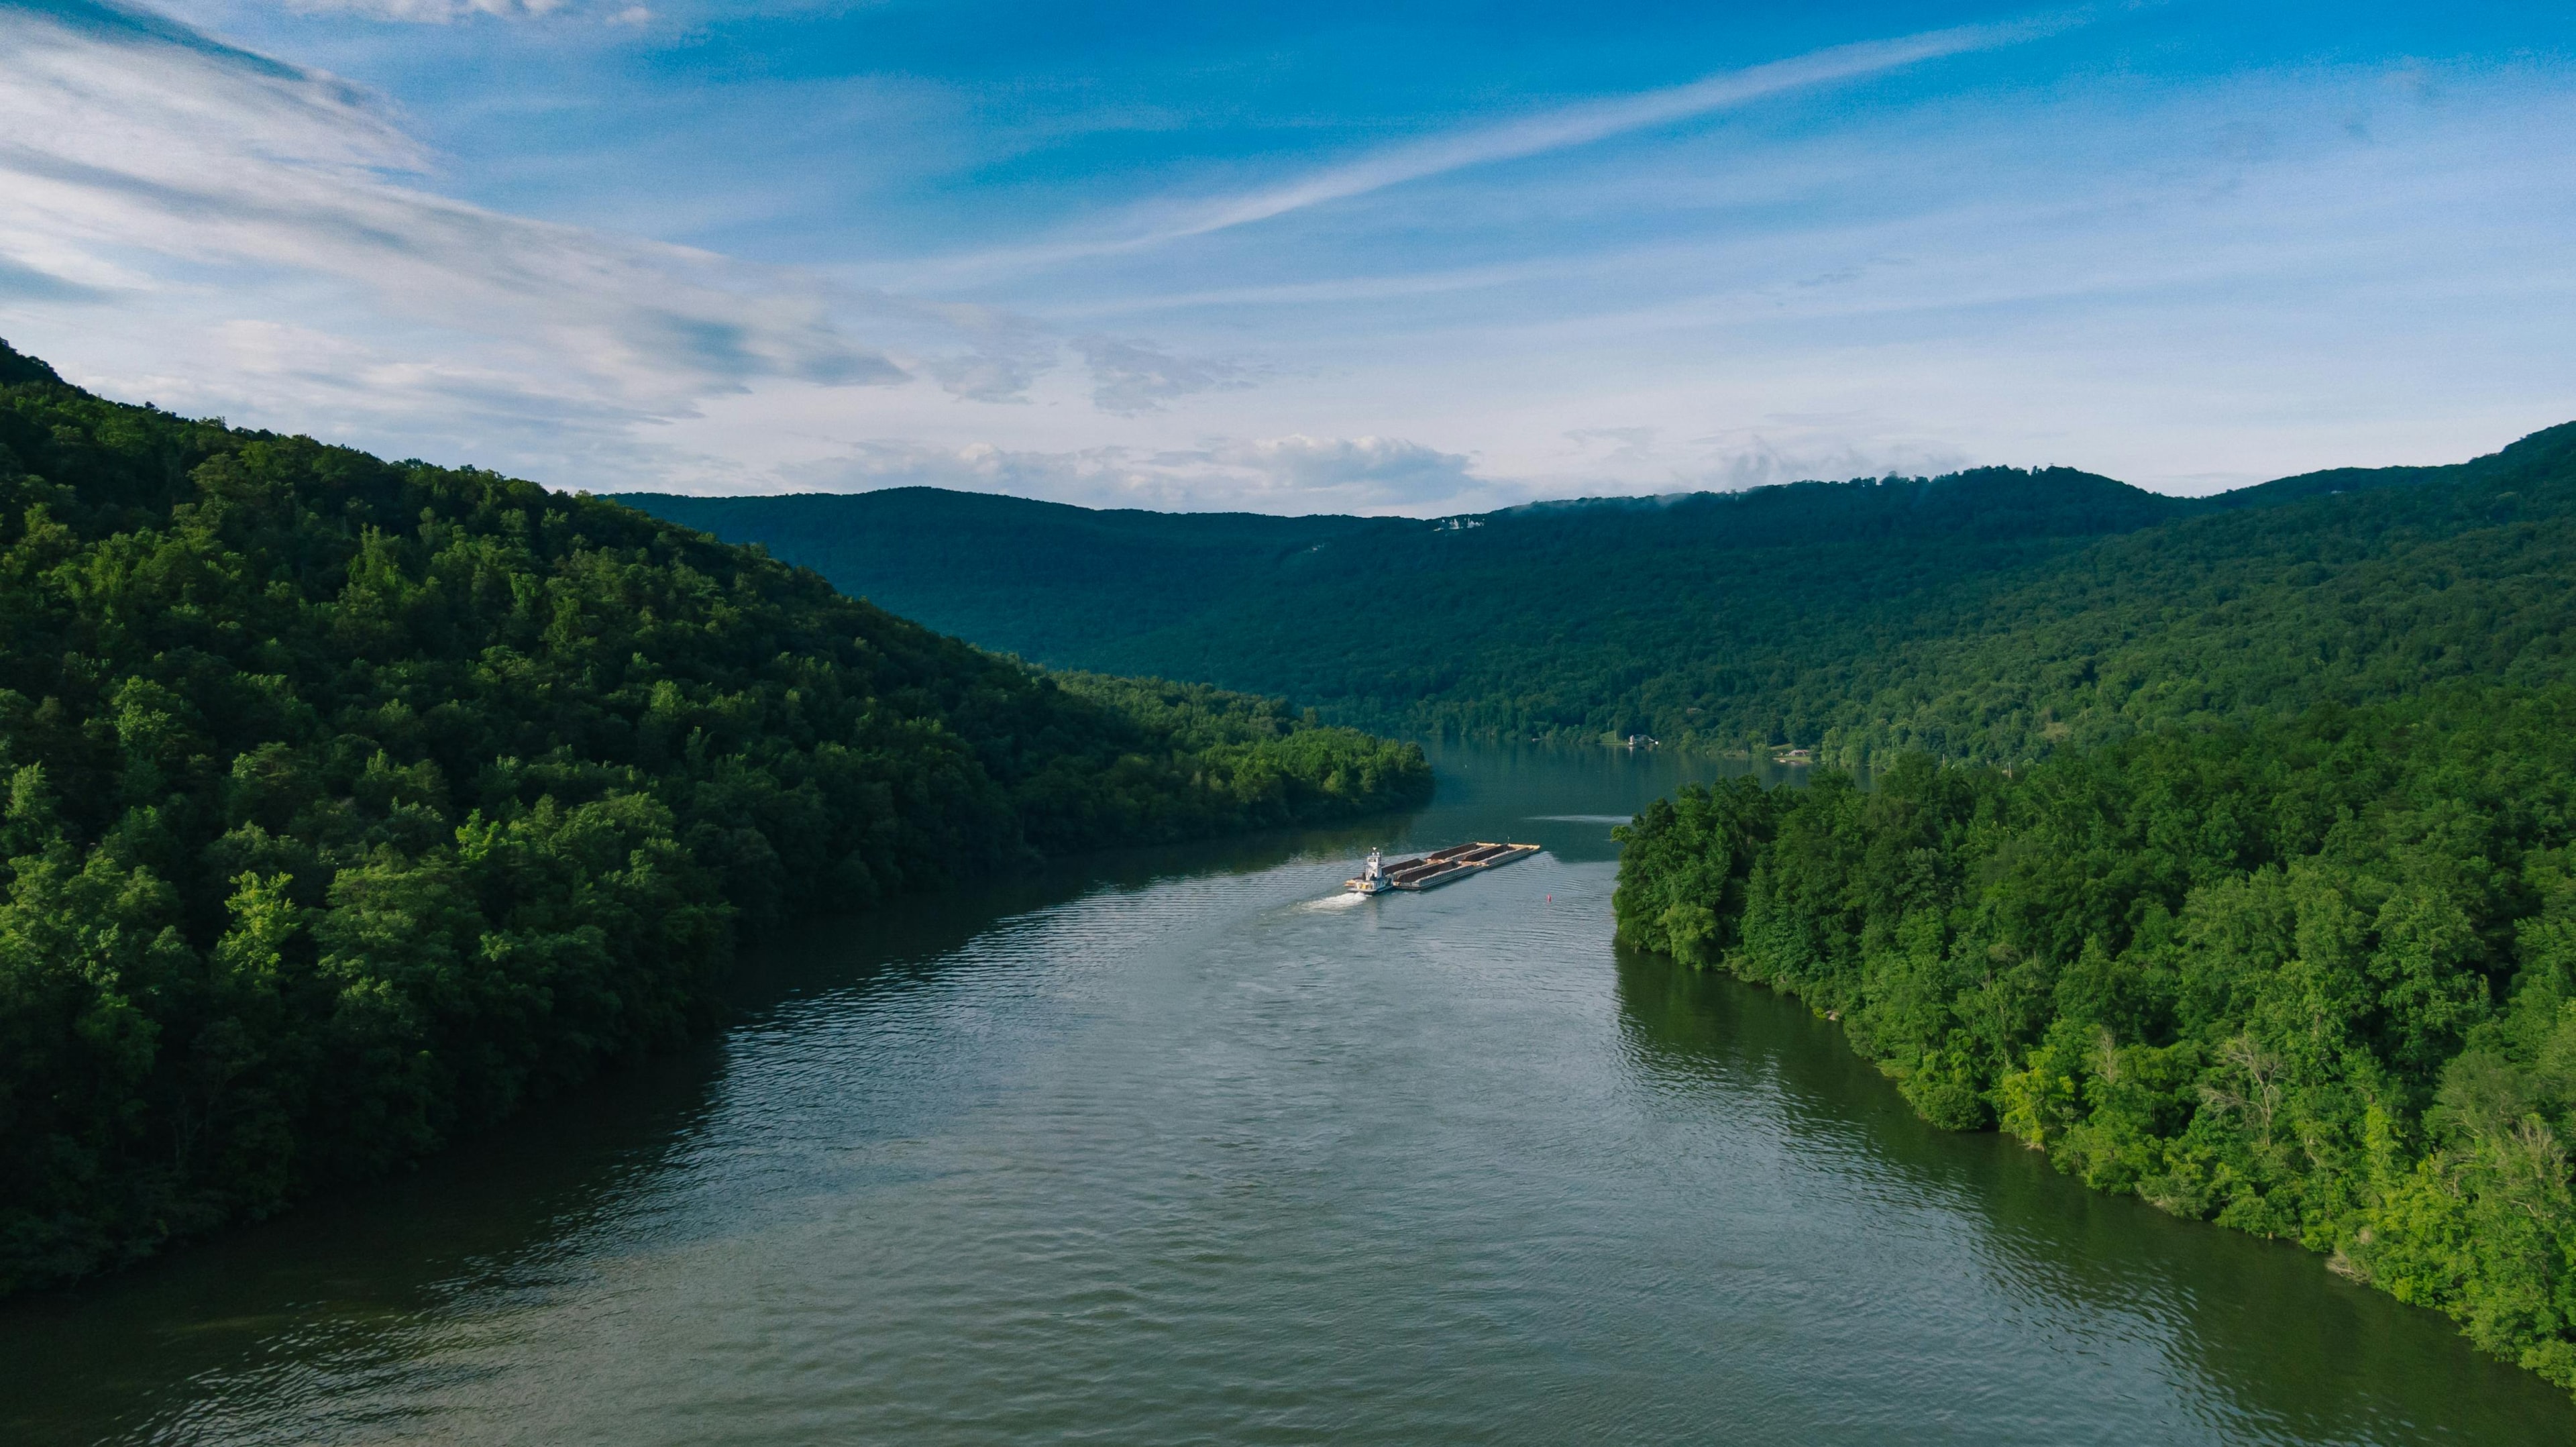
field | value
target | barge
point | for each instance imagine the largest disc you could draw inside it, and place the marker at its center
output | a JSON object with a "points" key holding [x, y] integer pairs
{"points": [[1432, 870]]}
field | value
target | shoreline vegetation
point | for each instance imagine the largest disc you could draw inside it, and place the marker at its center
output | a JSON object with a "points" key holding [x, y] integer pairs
{"points": [[2215, 846], [347, 805], [2311, 978], [2223, 849]]}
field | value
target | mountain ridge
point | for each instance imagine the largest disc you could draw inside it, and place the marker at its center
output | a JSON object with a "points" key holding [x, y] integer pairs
{"points": [[1961, 614]]}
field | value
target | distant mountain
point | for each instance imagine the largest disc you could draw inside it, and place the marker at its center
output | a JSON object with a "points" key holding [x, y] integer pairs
{"points": [[1061, 584], [1039, 579], [1994, 613]]}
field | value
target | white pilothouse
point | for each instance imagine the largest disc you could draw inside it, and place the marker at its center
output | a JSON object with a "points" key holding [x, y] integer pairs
{"points": [[1372, 878]]}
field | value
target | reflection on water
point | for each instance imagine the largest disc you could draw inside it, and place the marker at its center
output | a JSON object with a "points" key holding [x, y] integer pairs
{"points": [[2236, 1339], [1185, 1145]]}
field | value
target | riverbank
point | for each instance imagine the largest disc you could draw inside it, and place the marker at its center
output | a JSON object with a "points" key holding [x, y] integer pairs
{"points": [[1169, 1148]]}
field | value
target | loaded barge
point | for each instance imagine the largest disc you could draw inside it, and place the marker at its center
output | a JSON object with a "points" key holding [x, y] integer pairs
{"points": [[1432, 870]]}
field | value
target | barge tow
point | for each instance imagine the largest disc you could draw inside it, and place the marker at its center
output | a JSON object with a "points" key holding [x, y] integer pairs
{"points": [[1432, 870]]}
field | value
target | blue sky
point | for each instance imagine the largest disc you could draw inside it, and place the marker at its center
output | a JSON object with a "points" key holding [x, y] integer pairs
{"points": [[1316, 257]]}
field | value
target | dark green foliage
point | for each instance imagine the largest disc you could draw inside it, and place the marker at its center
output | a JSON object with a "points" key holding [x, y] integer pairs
{"points": [[1994, 615], [1228, 761], [2314, 978], [349, 804], [2289, 946], [1045, 581]]}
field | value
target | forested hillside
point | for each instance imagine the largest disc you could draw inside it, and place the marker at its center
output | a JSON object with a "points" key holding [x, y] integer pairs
{"points": [[1054, 584], [350, 803], [1993, 614], [2278, 930], [1560, 618], [2315, 979]]}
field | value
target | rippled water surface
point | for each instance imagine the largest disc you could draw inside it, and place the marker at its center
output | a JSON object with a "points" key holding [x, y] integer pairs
{"points": [[1186, 1148]]}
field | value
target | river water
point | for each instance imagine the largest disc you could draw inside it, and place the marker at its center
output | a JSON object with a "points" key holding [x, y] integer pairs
{"points": [[1186, 1147]]}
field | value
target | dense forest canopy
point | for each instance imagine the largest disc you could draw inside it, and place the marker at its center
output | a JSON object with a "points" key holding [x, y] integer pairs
{"points": [[2314, 979], [2224, 849], [2221, 848], [1993, 614], [345, 804]]}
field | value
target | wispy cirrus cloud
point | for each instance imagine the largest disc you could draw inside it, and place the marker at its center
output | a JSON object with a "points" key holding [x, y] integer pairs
{"points": [[2184, 239], [1553, 130], [1584, 124], [239, 199], [428, 12], [130, 137], [278, 226], [449, 12]]}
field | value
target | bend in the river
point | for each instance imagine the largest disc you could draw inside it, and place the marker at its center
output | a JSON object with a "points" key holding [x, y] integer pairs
{"points": [[1188, 1147]]}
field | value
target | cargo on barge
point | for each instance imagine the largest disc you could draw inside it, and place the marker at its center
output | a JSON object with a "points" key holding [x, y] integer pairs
{"points": [[1432, 870]]}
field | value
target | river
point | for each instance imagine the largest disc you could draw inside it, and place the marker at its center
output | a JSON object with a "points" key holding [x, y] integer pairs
{"points": [[1183, 1146]]}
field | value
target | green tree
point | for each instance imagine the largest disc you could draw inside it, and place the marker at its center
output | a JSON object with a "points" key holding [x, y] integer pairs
{"points": [[2313, 978]]}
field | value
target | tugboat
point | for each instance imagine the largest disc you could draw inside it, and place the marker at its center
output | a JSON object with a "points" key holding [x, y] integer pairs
{"points": [[1432, 870], [1372, 878]]}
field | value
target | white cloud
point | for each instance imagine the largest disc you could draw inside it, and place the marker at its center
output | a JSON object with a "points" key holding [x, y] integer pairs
{"points": [[1620, 445], [1783, 447], [2154, 282], [1388, 471], [218, 190], [1584, 124], [224, 232], [1798, 449], [1002, 357], [1131, 377], [436, 12], [1293, 474], [1554, 130]]}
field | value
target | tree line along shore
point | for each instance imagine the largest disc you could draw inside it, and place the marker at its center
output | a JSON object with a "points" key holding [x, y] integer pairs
{"points": [[2219, 848], [2272, 925], [346, 805], [2312, 978]]}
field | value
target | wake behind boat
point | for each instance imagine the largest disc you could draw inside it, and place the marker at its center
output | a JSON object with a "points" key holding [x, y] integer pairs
{"points": [[1439, 867]]}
